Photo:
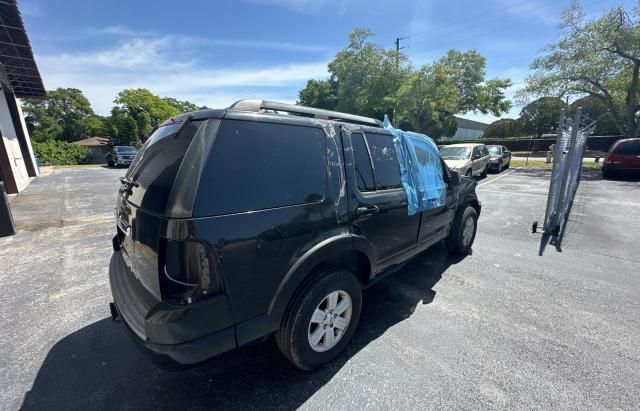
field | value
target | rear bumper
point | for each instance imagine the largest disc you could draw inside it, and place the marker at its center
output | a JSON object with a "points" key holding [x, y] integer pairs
{"points": [[184, 334]]}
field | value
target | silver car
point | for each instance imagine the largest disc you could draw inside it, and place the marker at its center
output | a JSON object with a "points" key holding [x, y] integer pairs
{"points": [[467, 159]]}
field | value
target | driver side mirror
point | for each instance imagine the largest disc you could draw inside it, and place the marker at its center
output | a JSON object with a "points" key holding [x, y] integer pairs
{"points": [[454, 178]]}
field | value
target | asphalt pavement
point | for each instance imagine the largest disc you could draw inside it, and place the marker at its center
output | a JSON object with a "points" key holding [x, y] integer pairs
{"points": [[500, 328]]}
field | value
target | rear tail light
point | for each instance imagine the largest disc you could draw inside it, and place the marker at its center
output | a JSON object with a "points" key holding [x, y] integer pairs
{"points": [[188, 273]]}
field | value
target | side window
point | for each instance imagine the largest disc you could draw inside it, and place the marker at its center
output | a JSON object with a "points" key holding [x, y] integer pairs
{"points": [[386, 167], [256, 165], [362, 163], [485, 151], [476, 152], [628, 148]]}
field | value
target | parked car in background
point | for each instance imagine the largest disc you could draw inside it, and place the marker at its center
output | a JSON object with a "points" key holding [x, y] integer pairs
{"points": [[500, 157], [121, 156], [622, 158], [467, 159], [236, 224]]}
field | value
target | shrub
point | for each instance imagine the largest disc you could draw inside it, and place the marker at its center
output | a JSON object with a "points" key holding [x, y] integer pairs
{"points": [[61, 153]]}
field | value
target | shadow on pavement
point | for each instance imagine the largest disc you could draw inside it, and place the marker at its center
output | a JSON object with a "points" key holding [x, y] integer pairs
{"points": [[99, 367]]}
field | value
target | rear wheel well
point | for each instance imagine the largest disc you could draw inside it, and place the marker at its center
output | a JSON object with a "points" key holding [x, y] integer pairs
{"points": [[356, 262]]}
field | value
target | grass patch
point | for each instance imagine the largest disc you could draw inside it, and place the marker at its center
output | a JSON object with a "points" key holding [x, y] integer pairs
{"points": [[541, 165]]}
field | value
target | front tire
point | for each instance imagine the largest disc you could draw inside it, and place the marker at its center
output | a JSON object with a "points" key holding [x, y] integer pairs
{"points": [[110, 164], [321, 320], [463, 231]]}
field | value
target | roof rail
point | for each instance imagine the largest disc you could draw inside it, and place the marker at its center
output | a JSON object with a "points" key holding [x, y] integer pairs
{"points": [[258, 106]]}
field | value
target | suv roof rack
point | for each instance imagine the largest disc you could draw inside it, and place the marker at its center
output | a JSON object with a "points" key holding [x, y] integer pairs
{"points": [[258, 106]]}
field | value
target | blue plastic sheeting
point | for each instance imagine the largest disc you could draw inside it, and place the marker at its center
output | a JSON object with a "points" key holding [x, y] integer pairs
{"points": [[420, 169]]}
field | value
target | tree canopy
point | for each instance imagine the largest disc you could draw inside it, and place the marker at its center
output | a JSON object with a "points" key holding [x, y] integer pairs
{"points": [[65, 114], [541, 116], [369, 80], [505, 127], [599, 58]]}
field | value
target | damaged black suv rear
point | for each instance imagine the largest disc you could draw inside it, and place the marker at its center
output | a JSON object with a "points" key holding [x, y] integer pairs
{"points": [[266, 218]]}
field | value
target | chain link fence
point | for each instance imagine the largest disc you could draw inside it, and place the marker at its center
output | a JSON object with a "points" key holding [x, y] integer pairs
{"points": [[565, 175]]}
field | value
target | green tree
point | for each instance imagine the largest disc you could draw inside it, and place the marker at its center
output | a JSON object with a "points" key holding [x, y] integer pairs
{"points": [[541, 115], [505, 127], [183, 106], [364, 79], [596, 110], [145, 108], [125, 131], [65, 114], [368, 80], [598, 58], [319, 94], [451, 85]]}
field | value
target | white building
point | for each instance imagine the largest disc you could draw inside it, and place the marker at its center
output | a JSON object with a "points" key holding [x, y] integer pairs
{"points": [[468, 129], [19, 78]]}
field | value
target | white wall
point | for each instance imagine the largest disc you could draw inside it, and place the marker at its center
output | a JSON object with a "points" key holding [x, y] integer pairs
{"points": [[12, 145], [467, 133], [25, 131]]}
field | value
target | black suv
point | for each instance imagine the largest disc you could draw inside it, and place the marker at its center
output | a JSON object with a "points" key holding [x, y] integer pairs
{"points": [[264, 218]]}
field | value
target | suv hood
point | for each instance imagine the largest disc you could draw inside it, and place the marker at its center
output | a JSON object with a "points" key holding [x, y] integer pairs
{"points": [[452, 164]]}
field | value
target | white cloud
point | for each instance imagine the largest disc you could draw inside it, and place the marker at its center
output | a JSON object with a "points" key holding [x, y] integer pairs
{"points": [[119, 30], [125, 32], [163, 65]]}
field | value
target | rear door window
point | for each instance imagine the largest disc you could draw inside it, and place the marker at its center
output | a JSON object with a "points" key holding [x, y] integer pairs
{"points": [[386, 167], [628, 148], [362, 163], [255, 165]]}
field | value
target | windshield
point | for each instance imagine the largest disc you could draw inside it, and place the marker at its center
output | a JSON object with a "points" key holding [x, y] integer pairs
{"points": [[494, 150], [455, 153], [127, 149]]}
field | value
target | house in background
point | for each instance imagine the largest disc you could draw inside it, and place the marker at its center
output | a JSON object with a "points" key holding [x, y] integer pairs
{"points": [[97, 146], [19, 78]]}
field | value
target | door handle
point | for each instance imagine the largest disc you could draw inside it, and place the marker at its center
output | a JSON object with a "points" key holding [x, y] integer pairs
{"points": [[368, 210]]}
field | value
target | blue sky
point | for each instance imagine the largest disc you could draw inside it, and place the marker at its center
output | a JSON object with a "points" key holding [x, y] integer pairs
{"points": [[216, 52]]}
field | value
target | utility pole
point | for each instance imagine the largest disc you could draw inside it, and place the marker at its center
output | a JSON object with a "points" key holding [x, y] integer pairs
{"points": [[398, 48]]}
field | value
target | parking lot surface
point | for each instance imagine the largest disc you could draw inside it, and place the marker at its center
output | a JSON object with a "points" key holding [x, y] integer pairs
{"points": [[501, 328]]}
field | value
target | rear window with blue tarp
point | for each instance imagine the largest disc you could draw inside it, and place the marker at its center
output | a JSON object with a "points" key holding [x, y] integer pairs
{"points": [[420, 169]]}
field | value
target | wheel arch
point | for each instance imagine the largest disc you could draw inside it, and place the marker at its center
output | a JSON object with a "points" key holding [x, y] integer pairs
{"points": [[350, 252]]}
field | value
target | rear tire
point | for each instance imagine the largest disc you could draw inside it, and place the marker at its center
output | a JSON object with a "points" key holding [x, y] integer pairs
{"points": [[463, 231], [469, 173], [321, 319], [485, 171]]}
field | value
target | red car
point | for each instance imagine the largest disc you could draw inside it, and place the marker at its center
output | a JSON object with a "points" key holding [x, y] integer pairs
{"points": [[623, 157]]}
